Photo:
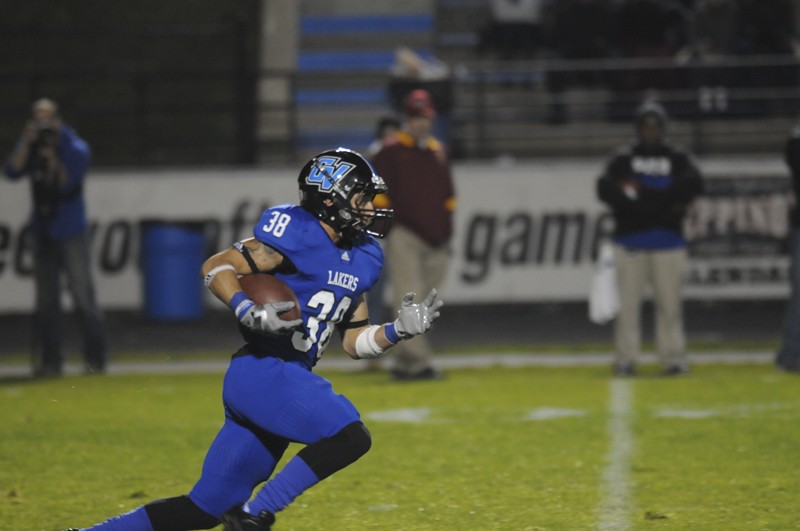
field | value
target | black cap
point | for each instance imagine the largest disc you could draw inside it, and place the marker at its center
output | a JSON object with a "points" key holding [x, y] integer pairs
{"points": [[651, 108]]}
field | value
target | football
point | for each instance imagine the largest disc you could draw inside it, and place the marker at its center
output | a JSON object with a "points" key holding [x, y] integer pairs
{"points": [[264, 289]]}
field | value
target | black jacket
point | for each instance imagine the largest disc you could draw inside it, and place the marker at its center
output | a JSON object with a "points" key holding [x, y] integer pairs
{"points": [[665, 178]]}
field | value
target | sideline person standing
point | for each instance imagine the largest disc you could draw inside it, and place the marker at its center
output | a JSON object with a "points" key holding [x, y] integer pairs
{"points": [[324, 250], [56, 160], [649, 185], [788, 356], [422, 194]]}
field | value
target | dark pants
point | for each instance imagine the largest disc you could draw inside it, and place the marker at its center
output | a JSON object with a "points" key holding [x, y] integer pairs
{"points": [[789, 353], [70, 257]]}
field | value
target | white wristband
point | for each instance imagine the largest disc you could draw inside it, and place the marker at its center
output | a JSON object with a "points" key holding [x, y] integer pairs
{"points": [[366, 346]]}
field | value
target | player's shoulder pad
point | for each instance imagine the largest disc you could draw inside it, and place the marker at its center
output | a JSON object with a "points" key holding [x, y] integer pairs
{"points": [[285, 228], [371, 256], [370, 245]]}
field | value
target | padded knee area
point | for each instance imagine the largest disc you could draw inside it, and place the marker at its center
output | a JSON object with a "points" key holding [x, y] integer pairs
{"points": [[328, 455], [178, 514]]}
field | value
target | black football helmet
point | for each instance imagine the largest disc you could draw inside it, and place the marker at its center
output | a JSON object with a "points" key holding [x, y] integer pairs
{"points": [[332, 186]]}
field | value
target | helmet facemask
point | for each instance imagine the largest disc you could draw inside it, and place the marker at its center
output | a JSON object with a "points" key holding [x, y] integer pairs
{"points": [[374, 221]]}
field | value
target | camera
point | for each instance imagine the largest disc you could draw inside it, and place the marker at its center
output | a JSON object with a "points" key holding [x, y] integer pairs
{"points": [[46, 135], [44, 178]]}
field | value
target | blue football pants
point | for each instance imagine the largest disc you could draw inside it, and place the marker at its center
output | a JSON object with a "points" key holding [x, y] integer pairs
{"points": [[268, 403]]}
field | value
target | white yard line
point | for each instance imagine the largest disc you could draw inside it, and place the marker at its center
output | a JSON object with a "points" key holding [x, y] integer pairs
{"points": [[615, 508]]}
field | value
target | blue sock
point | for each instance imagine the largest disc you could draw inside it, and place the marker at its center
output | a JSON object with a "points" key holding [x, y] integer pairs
{"points": [[136, 520], [282, 489]]}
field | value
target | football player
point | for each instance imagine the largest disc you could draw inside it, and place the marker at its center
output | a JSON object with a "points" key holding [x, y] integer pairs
{"points": [[325, 250]]}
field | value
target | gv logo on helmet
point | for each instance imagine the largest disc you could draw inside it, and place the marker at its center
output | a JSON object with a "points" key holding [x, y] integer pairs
{"points": [[328, 170]]}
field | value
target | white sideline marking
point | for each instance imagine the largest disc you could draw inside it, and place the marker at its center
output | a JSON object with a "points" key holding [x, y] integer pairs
{"points": [[549, 413], [687, 413], [384, 507], [413, 415], [615, 508]]}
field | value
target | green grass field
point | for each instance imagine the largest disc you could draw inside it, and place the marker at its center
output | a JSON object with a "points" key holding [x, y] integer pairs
{"points": [[508, 449]]}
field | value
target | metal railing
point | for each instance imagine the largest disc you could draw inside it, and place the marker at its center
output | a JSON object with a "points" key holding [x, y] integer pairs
{"points": [[583, 107]]}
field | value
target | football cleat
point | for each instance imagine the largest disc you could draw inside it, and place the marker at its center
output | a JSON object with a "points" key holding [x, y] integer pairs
{"points": [[238, 520], [428, 373], [676, 370], [624, 369]]}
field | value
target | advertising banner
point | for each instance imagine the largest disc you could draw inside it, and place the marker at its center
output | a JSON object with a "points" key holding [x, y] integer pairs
{"points": [[524, 232]]}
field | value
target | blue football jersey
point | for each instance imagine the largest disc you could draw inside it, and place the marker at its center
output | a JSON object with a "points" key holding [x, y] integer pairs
{"points": [[328, 281]]}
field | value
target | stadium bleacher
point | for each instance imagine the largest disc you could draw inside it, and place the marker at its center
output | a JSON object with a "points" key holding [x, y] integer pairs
{"points": [[343, 63], [510, 108]]}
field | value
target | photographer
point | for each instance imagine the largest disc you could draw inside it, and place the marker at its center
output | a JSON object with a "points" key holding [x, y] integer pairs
{"points": [[55, 160]]}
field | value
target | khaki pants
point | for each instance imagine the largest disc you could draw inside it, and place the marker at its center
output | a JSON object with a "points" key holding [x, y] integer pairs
{"points": [[664, 272], [416, 266]]}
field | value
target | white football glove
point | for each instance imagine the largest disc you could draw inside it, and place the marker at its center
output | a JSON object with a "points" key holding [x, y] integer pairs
{"points": [[266, 319], [416, 318]]}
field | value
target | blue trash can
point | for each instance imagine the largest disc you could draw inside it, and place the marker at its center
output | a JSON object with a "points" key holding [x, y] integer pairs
{"points": [[172, 253]]}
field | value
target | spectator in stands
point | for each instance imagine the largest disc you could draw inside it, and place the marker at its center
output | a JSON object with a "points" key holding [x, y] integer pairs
{"points": [[575, 30], [649, 185], [56, 159], [417, 171], [714, 37], [768, 26], [514, 29], [769, 29], [788, 356], [646, 29], [715, 29], [578, 29], [650, 28]]}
